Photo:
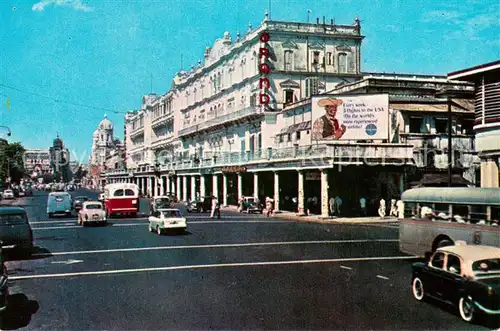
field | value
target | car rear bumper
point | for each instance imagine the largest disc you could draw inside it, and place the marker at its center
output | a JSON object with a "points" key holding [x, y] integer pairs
{"points": [[175, 226]]}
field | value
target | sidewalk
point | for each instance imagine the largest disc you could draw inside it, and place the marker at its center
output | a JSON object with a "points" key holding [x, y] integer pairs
{"points": [[318, 219]]}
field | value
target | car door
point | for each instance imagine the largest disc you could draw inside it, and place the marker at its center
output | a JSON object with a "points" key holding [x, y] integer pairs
{"points": [[453, 280], [434, 275]]}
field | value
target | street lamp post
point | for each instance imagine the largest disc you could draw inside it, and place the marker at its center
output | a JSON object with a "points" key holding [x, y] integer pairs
{"points": [[449, 94], [8, 130]]}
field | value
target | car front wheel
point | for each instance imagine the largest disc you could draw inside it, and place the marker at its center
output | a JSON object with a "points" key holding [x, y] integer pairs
{"points": [[418, 289], [466, 308]]}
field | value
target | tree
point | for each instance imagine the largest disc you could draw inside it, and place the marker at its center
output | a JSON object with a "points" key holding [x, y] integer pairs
{"points": [[12, 162]]}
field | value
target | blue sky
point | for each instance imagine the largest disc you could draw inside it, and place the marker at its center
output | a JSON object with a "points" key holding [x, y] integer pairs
{"points": [[100, 55]]}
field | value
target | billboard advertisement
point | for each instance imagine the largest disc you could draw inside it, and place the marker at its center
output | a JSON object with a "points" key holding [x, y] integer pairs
{"points": [[361, 117]]}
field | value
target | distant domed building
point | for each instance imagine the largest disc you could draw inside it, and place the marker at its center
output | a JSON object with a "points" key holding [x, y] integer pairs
{"points": [[107, 151]]}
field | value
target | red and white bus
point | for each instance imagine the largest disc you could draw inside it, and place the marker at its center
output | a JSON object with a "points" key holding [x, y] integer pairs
{"points": [[121, 198]]}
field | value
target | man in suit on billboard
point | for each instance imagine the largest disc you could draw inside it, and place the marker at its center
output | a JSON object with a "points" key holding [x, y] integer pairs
{"points": [[327, 127]]}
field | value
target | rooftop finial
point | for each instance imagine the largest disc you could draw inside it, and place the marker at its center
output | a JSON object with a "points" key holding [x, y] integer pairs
{"points": [[237, 35], [249, 27], [105, 115], [356, 20], [266, 16]]}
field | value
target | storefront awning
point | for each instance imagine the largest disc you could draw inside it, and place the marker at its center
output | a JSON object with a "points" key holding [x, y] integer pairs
{"points": [[297, 127]]}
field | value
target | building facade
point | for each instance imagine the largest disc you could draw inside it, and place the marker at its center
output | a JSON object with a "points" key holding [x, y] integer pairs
{"points": [[239, 124], [106, 150], [486, 78]]}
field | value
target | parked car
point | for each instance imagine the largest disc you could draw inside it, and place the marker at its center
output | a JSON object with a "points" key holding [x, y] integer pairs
{"points": [[166, 219], [204, 204], [8, 194], [250, 205], [59, 203], [92, 212], [161, 202], [78, 202], [466, 276], [101, 197], [15, 230]]}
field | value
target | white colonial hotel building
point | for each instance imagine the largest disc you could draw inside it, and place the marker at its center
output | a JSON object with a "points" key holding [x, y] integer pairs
{"points": [[209, 134]]}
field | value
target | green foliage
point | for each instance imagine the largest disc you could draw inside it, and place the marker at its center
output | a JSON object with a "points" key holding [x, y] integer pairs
{"points": [[12, 162]]}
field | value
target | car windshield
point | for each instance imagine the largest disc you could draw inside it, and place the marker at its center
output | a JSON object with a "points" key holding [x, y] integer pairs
{"points": [[94, 206], [82, 198], [486, 266], [172, 213], [13, 219]]}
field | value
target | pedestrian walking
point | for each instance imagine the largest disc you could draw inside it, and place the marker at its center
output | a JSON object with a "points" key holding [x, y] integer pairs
{"points": [[331, 205], [381, 208], [362, 205], [269, 206], [338, 205], [394, 210], [215, 208]]}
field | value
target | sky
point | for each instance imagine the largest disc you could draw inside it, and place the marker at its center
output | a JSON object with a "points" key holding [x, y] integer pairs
{"points": [[65, 63]]}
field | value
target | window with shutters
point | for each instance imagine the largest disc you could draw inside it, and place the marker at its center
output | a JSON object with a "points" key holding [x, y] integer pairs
{"points": [[312, 84], [342, 63], [288, 60]]}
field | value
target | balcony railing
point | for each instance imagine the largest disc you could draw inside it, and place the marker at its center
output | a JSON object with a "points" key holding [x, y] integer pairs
{"points": [[439, 141], [137, 132], [325, 153], [239, 114]]}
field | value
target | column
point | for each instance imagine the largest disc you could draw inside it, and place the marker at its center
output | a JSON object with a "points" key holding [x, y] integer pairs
{"points": [[145, 185], [178, 188], [224, 189], [193, 187], [152, 186], [168, 188], [240, 185], [202, 186], [276, 191], [256, 184], [324, 193], [161, 186], [300, 197], [215, 186], [184, 188], [139, 183]]}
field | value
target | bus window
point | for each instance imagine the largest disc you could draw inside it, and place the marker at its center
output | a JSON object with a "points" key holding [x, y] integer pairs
{"points": [[129, 192], [410, 210], [118, 193], [478, 214], [460, 213], [441, 208]]}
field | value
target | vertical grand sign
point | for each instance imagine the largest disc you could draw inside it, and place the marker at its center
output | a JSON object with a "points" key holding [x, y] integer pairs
{"points": [[264, 69]]}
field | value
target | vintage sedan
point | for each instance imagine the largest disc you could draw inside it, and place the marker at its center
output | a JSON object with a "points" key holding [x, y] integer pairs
{"points": [[162, 220], [92, 212], [466, 276]]}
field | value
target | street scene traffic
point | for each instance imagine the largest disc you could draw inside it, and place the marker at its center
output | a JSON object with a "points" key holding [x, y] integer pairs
{"points": [[237, 165]]}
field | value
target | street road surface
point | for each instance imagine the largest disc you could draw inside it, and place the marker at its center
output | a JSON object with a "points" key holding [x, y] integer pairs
{"points": [[238, 272]]}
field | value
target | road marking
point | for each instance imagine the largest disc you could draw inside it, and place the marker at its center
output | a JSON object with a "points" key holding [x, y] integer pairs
{"points": [[381, 225], [57, 227], [118, 250], [382, 277], [209, 222], [67, 262], [344, 267], [46, 222], [206, 266], [131, 224]]}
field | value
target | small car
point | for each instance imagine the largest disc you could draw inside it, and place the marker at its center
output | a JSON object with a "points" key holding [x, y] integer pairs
{"points": [[92, 212], [15, 230], [250, 205], [201, 205], [59, 203], [466, 276], [8, 194], [101, 197], [166, 219], [161, 202], [78, 202]]}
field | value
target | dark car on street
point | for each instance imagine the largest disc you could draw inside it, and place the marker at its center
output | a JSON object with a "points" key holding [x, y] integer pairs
{"points": [[201, 205], [4, 286], [15, 230], [464, 276], [78, 202]]}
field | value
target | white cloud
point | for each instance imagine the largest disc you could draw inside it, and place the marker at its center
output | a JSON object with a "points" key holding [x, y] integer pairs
{"points": [[75, 4]]}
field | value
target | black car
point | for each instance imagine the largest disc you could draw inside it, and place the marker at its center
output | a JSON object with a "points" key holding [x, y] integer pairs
{"points": [[201, 205], [467, 277], [4, 286], [78, 202]]}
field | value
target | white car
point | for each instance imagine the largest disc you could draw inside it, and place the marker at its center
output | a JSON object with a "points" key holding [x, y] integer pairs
{"points": [[162, 220], [92, 212], [101, 197], [8, 194]]}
